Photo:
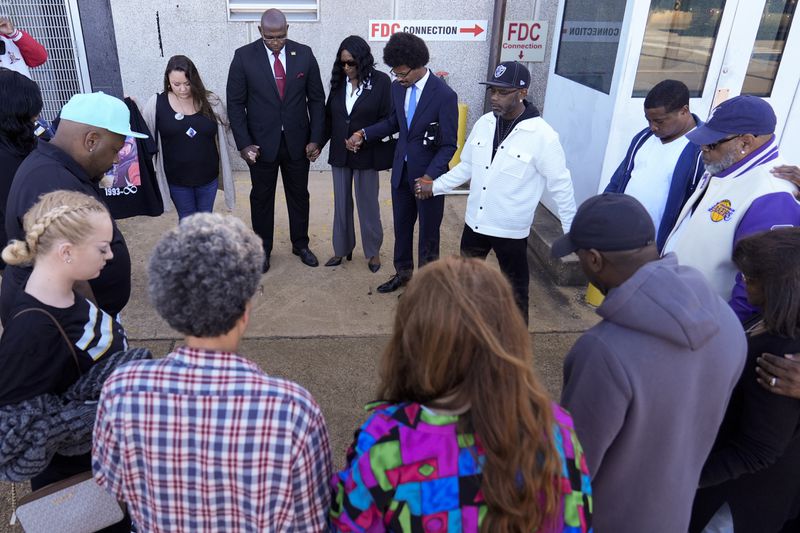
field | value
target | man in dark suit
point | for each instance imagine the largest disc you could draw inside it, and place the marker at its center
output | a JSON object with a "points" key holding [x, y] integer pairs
{"points": [[426, 116], [276, 106]]}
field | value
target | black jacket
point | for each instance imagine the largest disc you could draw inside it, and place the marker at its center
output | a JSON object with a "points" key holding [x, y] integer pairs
{"points": [[755, 462], [47, 169], [373, 105], [256, 111]]}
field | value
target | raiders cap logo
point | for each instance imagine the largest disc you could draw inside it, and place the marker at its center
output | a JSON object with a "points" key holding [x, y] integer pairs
{"points": [[499, 71]]}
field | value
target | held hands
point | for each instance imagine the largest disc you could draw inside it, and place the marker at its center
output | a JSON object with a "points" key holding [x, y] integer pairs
{"points": [[6, 26], [780, 375], [789, 173], [312, 151], [250, 153], [423, 188], [354, 142]]}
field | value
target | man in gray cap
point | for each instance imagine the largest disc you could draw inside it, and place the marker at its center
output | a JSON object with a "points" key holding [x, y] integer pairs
{"points": [[91, 132], [739, 195], [511, 155], [648, 386]]}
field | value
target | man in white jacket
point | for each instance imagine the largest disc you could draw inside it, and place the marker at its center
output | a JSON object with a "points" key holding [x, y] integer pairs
{"points": [[511, 155]]}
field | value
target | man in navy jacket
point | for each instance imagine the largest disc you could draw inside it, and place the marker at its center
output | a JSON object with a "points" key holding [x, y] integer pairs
{"points": [[426, 117], [662, 168]]}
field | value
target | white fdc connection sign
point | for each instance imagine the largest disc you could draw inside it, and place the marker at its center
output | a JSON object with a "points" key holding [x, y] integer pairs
{"points": [[524, 41], [430, 30]]}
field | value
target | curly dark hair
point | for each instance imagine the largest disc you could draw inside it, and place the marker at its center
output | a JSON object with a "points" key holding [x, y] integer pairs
{"points": [[361, 52], [406, 49], [772, 260], [20, 103], [200, 95]]}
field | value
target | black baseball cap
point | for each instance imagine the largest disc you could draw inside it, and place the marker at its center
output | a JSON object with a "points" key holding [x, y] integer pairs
{"points": [[510, 75], [608, 222]]}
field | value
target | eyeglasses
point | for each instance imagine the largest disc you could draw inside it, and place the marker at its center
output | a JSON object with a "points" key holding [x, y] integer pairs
{"points": [[713, 146], [501, 92], [274, 37], [351, 64], [400, 75]]}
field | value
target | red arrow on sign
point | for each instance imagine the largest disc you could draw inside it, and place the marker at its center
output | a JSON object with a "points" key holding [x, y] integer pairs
{"points": [[521, 55], [477, 30]]}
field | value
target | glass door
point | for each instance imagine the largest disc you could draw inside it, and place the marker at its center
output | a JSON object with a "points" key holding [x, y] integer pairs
{"points": [[719, 49], [762, 59]]}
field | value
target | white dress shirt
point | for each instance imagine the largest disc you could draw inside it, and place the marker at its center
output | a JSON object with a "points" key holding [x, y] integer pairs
{"points": [[420, 87]]}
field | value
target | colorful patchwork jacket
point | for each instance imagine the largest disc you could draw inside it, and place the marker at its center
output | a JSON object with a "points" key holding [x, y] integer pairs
{"points": [[410, 470]]}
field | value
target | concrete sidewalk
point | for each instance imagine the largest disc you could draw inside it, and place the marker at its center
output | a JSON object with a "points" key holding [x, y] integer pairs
{"points": [[300, 301], [326, 328]]}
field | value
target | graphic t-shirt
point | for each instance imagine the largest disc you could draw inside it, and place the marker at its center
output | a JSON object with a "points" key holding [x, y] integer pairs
{"points": [[34, 355]]}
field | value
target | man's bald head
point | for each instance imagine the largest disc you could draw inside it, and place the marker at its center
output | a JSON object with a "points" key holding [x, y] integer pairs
{"points": [[95, 149], [273, 29], [273, 19]]}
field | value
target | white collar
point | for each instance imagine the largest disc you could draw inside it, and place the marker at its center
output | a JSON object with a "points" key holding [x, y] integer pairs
{"points": [[270, 53], [422, 81]]}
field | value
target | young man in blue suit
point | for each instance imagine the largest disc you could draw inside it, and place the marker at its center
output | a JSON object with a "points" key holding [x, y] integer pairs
{"points": [[426, 117], [276, 106]]}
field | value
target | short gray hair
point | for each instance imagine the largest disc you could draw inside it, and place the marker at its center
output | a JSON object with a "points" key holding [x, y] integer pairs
{"points": [[203, 272]]}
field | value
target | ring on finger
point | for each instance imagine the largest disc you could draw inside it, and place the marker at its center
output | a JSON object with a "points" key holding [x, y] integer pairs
{"points": [[773, 381]]}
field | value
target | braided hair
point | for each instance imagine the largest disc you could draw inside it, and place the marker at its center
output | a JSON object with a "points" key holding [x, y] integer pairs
{"points": [[58, 215]]}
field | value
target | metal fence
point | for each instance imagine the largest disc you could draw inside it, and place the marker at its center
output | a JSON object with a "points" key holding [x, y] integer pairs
{"points": [[55, 24]]}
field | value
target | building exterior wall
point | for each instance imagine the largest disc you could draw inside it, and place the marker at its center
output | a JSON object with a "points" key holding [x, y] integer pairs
{"points": [[200, 30]]}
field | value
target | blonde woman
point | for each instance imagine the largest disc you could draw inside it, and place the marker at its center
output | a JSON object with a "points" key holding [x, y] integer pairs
{"points": [[191, 126], [68, 242]]}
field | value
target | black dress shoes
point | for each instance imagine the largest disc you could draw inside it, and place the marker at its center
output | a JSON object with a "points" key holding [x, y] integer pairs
{"points": [[265, 266], [306, 256], [336, 260], [394, 283]]}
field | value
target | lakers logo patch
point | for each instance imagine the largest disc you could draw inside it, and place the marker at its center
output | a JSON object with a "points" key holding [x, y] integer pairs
{"points": [[721, 211]]}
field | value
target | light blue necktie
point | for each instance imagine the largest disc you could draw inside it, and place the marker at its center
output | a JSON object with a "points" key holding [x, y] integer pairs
{"points": [[412, 106]]}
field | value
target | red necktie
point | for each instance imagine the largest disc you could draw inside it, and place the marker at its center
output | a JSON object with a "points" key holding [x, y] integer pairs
{"points": [[280, 74]]}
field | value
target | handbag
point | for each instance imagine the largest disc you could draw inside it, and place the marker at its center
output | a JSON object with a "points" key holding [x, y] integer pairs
{"points": [[76, 504]]}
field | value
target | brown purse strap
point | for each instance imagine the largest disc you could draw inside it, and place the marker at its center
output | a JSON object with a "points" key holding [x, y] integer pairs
{"points": [[61, 329]]}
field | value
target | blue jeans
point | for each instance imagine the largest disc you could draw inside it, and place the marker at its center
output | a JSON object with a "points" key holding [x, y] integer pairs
{"points": [[191, 200]]}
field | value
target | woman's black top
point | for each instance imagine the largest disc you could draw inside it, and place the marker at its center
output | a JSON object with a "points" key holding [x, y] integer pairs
{"points": [[188, 146], [755, 462]]}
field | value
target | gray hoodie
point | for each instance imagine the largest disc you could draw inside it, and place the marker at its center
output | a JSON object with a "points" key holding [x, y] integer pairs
{"points": [[648, 387]]}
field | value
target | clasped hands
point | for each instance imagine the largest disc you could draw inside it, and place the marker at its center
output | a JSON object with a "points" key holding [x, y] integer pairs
{"points": [[423, 188], [252, 152], [354, 142]]}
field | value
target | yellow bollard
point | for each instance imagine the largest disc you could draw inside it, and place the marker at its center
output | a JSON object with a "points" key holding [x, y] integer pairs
{"points": [[593, 296], [462, 133]]}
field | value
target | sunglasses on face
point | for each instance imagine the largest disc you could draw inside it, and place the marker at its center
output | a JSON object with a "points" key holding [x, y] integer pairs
{"points": [[274, 37], [712, 146], [348, 64], [501, 92]]}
